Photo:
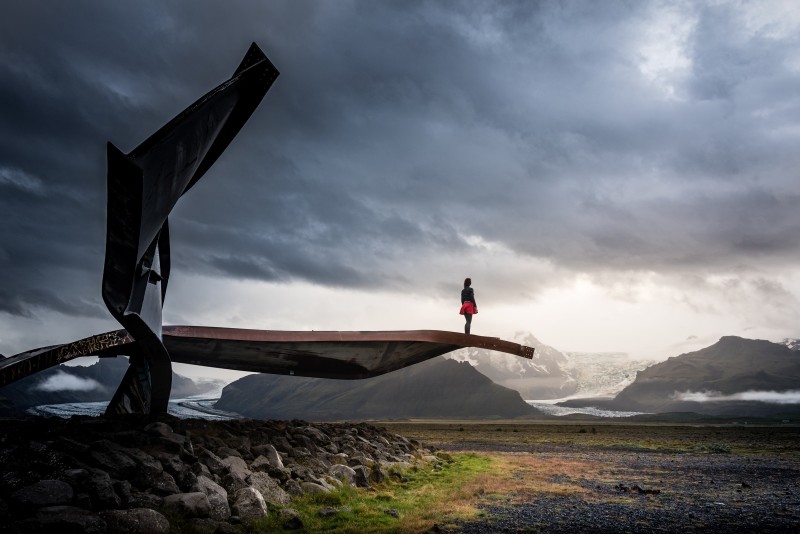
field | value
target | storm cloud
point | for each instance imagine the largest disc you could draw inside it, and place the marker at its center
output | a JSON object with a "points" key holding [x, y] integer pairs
{"points": [[405, 139]]}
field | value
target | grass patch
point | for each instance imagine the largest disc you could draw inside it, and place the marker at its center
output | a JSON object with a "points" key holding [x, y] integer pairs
{"points": [[425, 497]]}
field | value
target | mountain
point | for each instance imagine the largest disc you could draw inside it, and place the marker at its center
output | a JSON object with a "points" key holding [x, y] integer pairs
{"points": [[553, 374], [543, 377], [793, 344], [735, 376], [92, 383], [437, 388]]}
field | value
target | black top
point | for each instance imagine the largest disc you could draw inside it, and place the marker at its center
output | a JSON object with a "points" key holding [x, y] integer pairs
{"points": [[467, 294]]}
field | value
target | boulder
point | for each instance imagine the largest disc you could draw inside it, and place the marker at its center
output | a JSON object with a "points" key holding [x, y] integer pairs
{"points": [[135, 521], [376, 474], [145, 500], [43, 493], [211, 460], [158, 429], [62, 519], [261, 463], [163, 484], [313, 487], [235, 476], [248, 503], [217, 497], [290, 519], [147, 467], [101, 490], [362, 476], [112, 459], [269, 489], [224, 452], [343, 473], [270, 453], [293, 487], [193, 504]]}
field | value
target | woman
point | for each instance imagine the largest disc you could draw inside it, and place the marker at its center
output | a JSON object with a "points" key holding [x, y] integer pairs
{"points": [[468, 305]]}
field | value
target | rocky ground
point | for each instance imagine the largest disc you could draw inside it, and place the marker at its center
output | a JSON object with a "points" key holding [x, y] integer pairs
{"points": [[142, 475], [618, 490]]}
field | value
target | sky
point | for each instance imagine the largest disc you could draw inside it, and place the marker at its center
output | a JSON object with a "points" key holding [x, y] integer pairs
{"points": [[613, 176]]}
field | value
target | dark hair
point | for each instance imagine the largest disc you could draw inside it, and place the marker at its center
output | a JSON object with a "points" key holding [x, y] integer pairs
{"points": [[467, 282]]}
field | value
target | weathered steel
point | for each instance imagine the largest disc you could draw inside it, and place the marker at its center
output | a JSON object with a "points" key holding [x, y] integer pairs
{"points": [[342, 355], [29, 362], [143, 188]]}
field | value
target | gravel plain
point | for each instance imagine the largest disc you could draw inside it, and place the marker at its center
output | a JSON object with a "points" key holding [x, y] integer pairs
{"points": [[637, 479], [651, 491]]}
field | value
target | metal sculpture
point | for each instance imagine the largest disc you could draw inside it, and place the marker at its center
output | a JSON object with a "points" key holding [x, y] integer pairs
{"points": [[143, 188]]}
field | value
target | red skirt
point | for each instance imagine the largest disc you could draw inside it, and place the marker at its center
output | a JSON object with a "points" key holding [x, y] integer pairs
{"points": [[468, 308]]}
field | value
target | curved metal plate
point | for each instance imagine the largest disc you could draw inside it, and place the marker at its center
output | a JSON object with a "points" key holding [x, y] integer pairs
{"points": [[343, 355]]}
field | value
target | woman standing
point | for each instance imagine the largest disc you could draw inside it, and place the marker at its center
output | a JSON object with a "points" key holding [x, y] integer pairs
{"points": [[468, 305]]}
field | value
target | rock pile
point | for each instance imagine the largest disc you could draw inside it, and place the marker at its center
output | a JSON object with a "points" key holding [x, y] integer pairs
{"points": [[135, 474]]}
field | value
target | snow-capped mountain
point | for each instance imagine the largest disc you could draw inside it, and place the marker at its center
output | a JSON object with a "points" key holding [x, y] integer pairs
{"points": [[552, 374], [543, 377], [793, 344]]}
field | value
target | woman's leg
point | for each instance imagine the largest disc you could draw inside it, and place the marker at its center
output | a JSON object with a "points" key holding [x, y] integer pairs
{"points": [[468, 318]]}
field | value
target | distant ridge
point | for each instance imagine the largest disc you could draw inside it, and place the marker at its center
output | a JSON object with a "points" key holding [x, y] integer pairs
{"points": [[436, 388], [735, 376]]}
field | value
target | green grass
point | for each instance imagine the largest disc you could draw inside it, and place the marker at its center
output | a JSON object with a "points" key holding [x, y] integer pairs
{"points": [[425, 496]]}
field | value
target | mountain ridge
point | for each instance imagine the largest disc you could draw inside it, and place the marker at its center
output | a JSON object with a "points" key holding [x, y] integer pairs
{"points": [[436, 388]]}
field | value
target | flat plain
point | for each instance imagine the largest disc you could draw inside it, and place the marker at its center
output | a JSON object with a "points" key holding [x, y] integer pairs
{"points": [[619, 477]]}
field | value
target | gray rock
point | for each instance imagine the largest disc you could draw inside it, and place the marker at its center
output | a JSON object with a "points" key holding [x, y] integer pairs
{"points": [[193, 504], [261, 463], [147, 467], [290, 519], [362, 476], [182, 473], [235, 477], [163, 484], [63, 519], [327, 512], [101, 490], [217, 497], [280, 473], [313, 487], [271, 454], [158, 429], [248, 503], [224, 452], [76, 478], [146, 500], [269, 489], [376, 475], [124, 490], [211, 460], [112, 459], [343, 473], [316, 434], [43, 493], [392, 512], [293, 487], [135, 521]]}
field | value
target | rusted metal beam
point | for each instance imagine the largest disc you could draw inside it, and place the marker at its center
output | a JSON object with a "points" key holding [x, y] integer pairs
{"points": [[335, 354]]}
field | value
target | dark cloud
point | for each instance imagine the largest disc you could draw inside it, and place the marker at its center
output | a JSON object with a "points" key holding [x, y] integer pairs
{"points": [[398, 131]]}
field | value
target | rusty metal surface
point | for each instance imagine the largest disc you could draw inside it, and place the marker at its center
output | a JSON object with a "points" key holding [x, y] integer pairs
{"points": [[336, 354], [27, 363]]}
